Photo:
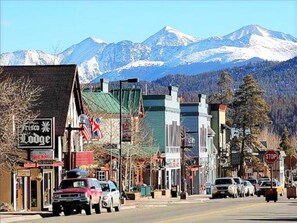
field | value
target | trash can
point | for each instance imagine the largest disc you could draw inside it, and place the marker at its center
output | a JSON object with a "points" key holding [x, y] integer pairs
{"points": [[174, 191], [208, 188], [291, 192], [142, 191], [270, 194]]}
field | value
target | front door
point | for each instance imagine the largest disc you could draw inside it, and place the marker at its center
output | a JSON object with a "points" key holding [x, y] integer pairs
{"points": [[47, 188], [20, 187]]}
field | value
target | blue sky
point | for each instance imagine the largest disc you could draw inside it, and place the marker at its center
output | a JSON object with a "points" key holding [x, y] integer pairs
{"points": [[53, 25]]}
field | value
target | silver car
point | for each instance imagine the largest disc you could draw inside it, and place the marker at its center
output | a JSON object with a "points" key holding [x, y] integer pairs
{"points": [[111, 196], [224, 187], [248, 187]]}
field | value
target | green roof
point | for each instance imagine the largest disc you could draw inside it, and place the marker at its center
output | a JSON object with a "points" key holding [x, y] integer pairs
{"points": [[131, 99], [102, 102]]}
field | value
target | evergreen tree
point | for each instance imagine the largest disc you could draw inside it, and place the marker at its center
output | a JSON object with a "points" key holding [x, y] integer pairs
{"points": [[225, 90], [250, 113], [285, 143]]}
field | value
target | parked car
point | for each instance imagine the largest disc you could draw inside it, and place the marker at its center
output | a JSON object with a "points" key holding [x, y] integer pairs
{"points": [[77, 193], [254, 182], [223, 187], [240, 187], [267, 184], [248, 187], [111, 196]]}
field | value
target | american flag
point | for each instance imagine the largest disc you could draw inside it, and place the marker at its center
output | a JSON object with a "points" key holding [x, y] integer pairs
{"points": [[96, 130], [86, 131]]}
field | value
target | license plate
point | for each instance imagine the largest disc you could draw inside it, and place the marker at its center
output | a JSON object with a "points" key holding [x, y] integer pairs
{"points": [[223, 192]]}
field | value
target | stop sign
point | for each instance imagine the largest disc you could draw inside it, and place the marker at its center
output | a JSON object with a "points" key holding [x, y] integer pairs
{"points": [[270, 156]]}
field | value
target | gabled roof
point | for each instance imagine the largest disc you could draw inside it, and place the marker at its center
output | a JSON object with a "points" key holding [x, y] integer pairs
{"points": [[101, 102], [58, 82], [131, 99]]}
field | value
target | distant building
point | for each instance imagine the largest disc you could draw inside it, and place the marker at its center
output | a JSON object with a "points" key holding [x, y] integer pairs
{"points": [[162, 115]]}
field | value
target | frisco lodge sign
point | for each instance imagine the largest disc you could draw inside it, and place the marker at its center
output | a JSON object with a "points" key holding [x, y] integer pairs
{"points": [[38, 134]]}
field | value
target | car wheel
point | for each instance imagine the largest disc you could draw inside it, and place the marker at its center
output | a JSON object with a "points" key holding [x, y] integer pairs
{"points": [[110, 208], [67, 211], [78, 211], [98, 207], [56, 210], [88, 208], [117, 208]]}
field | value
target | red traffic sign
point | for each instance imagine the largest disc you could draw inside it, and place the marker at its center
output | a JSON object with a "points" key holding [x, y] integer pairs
{"points": [[270, 156]]}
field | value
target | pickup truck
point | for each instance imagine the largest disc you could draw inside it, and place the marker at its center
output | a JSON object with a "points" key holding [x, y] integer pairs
{"points": [[77, 194]]}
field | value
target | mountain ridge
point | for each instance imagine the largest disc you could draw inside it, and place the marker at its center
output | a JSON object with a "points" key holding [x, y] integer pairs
{"points": [[168, 51]]}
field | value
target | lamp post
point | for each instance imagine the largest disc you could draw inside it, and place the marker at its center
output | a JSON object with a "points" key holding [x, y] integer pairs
{"points": [[183, 194], [132, 80]]}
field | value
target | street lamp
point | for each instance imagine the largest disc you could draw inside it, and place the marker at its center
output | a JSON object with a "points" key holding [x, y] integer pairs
{"points": [[183, 162], [132, 80]]}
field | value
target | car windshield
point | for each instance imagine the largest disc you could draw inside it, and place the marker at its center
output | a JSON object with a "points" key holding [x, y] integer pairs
{"points": [[105, 186], [267, 183], [223, 181], [236, 180], [253, 181], [73, 184]]}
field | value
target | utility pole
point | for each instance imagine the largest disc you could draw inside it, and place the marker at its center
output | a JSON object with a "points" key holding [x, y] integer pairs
{"points": [[183, 194]]}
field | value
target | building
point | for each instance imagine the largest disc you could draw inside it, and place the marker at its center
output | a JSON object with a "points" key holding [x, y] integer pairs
{"points": [[30, 186], [162, 116], [201, 157], [218, 124]]}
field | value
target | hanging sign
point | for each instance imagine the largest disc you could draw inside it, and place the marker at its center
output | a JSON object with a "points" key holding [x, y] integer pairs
{"points": [[38, 134]]}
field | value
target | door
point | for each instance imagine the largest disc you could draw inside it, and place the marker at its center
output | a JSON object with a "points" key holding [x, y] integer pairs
{"points": [[20, 193], [47, 188]]}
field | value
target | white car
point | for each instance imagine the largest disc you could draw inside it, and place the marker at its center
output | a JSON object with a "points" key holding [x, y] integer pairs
{"points": [[248, 188], [111, 196]]}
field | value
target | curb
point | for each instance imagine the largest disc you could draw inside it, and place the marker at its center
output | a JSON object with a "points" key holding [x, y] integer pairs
{"points": [[18, 218]]}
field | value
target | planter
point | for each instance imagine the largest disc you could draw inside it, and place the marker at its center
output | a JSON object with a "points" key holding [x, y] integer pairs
{"points": [[157, 194], [291, 192]]}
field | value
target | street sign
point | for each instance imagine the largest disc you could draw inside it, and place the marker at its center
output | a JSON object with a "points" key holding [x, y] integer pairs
{"points": [[270, 156]]}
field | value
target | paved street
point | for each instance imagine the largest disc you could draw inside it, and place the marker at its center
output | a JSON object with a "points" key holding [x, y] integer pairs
{"points": [[192, 210]]}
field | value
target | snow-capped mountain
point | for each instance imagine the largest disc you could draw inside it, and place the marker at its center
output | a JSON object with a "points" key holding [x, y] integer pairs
{"points": [[169, 37], [166, 52]]}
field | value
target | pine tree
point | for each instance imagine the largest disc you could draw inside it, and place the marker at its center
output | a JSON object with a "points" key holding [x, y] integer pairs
{"points": [[250, 114], [285, 143], [225, 90]]}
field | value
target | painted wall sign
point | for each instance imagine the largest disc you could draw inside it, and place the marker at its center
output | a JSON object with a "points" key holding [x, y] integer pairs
{"points": [[45, 154], [38, 134]]}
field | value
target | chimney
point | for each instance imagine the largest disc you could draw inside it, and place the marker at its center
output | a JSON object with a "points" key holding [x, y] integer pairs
{"points": [[104, 85]]}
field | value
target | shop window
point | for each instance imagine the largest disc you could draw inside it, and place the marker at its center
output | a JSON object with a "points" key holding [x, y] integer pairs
{"points": [[33, 193], [100, 175]]}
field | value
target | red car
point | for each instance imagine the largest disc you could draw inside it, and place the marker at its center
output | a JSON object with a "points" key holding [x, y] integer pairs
{"points": [[77, 194]]}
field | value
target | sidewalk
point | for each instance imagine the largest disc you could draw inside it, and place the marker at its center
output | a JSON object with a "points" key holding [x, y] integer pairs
{"points": [[9, 217]]}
